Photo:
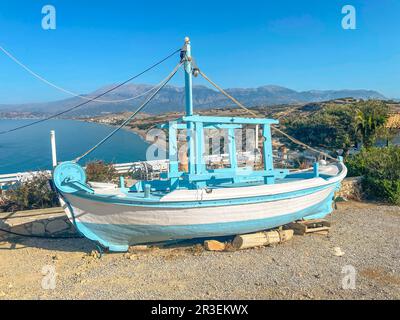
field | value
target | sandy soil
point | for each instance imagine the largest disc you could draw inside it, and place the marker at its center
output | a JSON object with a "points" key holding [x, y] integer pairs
{"points": [[304, 268]]}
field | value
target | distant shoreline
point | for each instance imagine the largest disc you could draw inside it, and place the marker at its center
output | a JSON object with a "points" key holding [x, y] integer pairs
{"points": [[34, 147]]}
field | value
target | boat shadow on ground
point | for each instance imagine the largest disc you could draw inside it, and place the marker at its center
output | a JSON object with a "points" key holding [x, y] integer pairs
{"points": [[20, 236]]}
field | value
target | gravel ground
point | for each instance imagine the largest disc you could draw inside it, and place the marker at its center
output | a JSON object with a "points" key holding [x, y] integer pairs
{"points": [[303, 268]]}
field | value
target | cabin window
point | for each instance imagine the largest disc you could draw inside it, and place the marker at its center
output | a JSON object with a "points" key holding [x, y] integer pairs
{"points": [[216, 149], [247, 151]]}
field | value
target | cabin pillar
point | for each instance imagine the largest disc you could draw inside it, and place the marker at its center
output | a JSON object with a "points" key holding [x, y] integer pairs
{"points": [[200, 165], [173, 152], [267, 155], [232, 148], [316, 169]]}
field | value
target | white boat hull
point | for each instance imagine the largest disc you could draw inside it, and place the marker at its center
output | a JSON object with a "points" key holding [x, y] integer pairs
{"points": [[117, 226]]}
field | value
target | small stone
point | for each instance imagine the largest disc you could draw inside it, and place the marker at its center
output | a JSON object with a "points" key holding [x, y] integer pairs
{"points": [[56, 226], [38, 229], [95, 254], [55, 257], [338, 252], [131, 256]]}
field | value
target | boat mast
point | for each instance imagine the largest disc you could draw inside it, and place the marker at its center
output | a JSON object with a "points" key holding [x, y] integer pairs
{"points": [[189, 105]]}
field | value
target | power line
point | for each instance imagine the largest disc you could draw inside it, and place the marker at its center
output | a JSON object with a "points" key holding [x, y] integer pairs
{"points": [[98, 96], [51, 84], [133, 115]]}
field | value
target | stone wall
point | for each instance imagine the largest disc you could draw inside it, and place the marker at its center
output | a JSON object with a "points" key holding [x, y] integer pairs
{"points": [[42, 222], [351, 189]]}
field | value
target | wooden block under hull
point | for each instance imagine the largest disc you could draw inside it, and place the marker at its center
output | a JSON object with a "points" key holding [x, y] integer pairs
{"points": [[318, 226], [260, 239]]}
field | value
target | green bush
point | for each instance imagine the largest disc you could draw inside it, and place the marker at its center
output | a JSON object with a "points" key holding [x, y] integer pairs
{"points": [[34, 193], [99, 171], [380, 168], [340, 126]]}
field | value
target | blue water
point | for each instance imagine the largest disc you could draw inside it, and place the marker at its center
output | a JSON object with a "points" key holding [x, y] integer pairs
{"points": [[29, 149]]}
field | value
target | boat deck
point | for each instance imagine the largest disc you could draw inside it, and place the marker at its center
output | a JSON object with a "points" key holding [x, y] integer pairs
{"points": [[113, 190]]}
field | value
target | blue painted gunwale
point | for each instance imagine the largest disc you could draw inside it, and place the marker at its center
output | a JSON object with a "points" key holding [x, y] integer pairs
{"points": [[156, 203]]}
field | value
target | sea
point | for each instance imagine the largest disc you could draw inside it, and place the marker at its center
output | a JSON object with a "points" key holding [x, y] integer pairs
{"points": [[29, 149]]}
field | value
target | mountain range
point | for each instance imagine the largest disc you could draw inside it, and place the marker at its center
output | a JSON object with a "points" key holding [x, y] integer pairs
{"points": [[172, 98]]}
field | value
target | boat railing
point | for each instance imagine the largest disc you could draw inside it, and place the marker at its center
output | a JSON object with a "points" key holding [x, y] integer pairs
{"points": [[9, 179]]}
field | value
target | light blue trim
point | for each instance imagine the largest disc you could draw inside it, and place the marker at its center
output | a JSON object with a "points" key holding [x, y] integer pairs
{"points": [[173, 149], [232, 148], [86, 230], [222, 120], [182, 126], [69, 177], [269, 178], [316, 169], [155, 202]]}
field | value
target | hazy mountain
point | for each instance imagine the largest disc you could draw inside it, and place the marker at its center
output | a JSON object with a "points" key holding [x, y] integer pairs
{"points": [[172, 98]]}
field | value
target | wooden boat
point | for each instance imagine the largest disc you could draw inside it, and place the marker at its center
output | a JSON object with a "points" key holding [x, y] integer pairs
{"points": [[201, 202]]}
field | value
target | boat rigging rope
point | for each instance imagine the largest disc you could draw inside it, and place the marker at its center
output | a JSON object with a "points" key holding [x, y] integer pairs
{"points": [[133, 114], [293, 139], [91, 99], [76, 95]]}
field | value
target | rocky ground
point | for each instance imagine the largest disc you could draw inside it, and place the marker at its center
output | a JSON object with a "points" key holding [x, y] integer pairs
{"points": [[307, 267]]}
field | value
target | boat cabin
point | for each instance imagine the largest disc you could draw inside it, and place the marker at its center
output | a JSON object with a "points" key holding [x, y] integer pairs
{"points": [[197, 175]]}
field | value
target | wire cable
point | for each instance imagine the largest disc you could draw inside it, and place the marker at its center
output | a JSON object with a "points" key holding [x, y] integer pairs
{"points": [[86, 102], [30, 71], [133, 115], [294, 140]]}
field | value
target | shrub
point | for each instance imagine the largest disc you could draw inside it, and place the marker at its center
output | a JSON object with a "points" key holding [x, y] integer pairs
{"points": [[380, 168], [99, 171], [34, 193], [340, 126]]}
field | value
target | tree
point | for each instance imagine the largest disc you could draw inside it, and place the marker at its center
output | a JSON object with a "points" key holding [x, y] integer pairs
{"points": [[340, 126], [370, 119]]}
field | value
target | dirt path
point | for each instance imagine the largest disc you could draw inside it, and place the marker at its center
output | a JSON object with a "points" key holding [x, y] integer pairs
{"points": [[304, 268]]}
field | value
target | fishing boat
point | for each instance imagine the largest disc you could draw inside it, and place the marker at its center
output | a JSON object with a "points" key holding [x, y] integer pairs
{"points": [[197, 201]]}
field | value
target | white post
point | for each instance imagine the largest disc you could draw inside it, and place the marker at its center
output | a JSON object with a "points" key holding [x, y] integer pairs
{"points": [[53, 148]]}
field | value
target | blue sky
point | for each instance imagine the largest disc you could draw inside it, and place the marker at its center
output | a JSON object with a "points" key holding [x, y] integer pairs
{"points": [[297, 44]]}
